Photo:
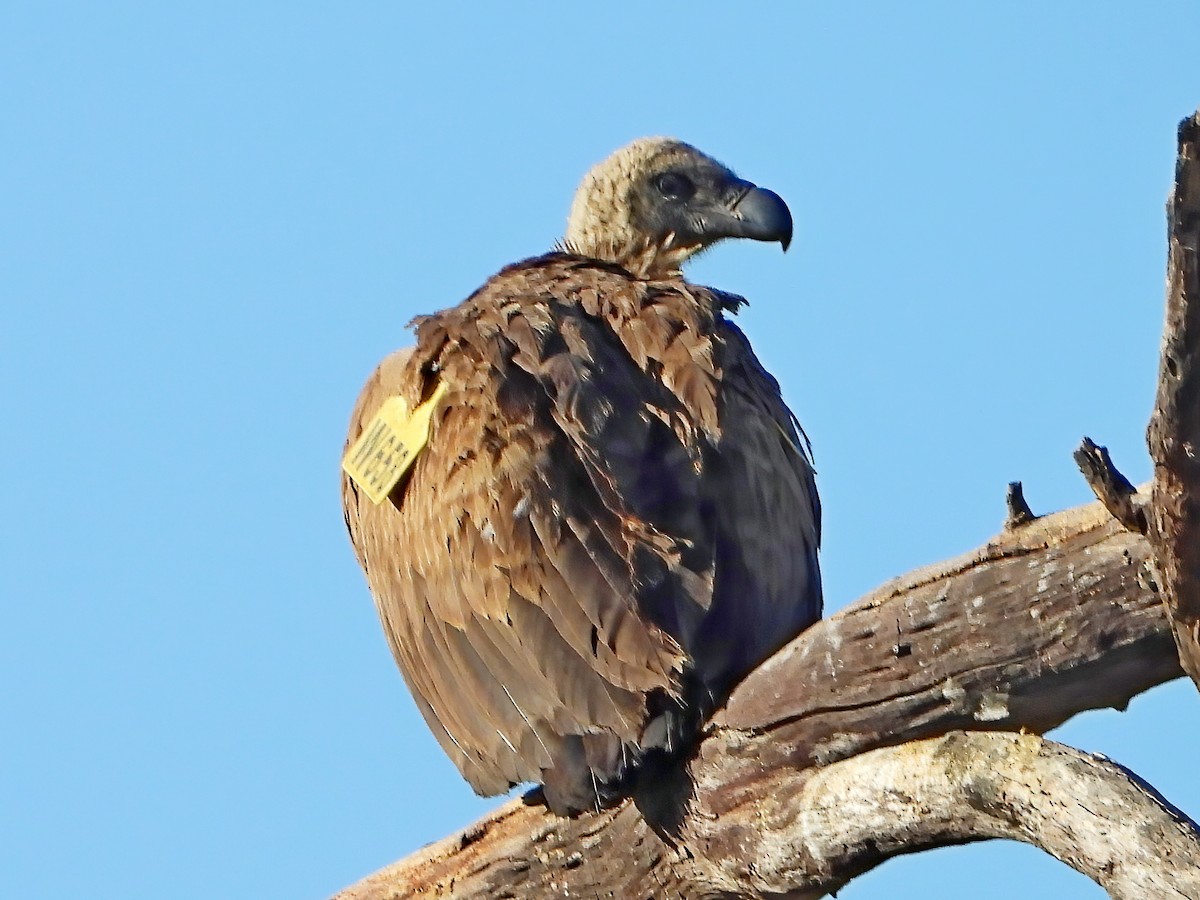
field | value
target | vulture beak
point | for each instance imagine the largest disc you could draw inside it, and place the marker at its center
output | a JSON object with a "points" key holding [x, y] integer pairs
{"points": [[758, 214]]}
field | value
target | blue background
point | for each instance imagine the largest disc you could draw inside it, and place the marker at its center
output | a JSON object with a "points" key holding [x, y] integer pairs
{"points": [[215, 218]]}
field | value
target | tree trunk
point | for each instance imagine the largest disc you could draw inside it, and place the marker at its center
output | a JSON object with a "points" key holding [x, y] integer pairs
{"points": [[1174, 432]]}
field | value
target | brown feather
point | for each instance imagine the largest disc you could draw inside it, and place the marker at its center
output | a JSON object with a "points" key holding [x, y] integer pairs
{"points": [[614, 518]]}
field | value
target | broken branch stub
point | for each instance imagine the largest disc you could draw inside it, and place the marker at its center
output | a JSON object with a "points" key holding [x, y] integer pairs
{"points": [[1113, 489]]}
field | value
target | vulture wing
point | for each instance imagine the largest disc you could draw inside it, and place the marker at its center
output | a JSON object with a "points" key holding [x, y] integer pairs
{"points": [[612, 521]]}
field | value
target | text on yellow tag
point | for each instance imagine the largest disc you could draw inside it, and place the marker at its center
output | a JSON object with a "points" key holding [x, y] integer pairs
{"points": [[389, 444]]}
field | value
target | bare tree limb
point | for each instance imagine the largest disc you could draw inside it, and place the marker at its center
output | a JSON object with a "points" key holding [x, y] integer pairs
{"points": [[1030, 629], [1086, 811], [1039, 624], [1174, 433]]}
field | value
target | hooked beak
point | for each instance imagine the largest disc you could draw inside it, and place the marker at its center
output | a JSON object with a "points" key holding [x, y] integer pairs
{"points": [[758, 214]]}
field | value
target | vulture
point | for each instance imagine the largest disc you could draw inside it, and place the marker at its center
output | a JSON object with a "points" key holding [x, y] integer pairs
{"points": [[603, 514]]}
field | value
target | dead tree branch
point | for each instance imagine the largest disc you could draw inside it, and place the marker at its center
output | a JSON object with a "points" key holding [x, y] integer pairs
{"points": [[1174, 433], [1087, 812], [1042, 623], [836, 822]]}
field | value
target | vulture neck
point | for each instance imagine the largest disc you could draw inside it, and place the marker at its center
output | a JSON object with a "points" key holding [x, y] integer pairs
{"points": [[643, 258]]}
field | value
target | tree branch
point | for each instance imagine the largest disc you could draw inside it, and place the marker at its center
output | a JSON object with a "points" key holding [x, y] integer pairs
{"points": [[1088, 812], [1174, 433], [1043, 622]]}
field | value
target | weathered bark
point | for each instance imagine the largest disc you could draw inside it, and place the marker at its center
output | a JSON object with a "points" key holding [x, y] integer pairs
{"points": [[1084, 810], [838, 821], [1051, 618], [1174, 433]]}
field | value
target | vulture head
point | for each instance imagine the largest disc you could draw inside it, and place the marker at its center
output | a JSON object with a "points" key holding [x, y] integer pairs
{"points": [[658, 201]]}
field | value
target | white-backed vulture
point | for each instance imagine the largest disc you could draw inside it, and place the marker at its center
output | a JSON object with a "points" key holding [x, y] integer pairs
{"points": [[614, 518]]}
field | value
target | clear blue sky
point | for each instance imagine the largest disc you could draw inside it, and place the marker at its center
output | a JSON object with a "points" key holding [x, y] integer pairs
{"points": [[217, 217]]}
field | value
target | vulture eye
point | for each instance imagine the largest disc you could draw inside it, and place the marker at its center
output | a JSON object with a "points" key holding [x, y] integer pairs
{"points": [[675, 186]]}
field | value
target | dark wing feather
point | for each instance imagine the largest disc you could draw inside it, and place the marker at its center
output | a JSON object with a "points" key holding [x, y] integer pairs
{"points": [[593, 531], [768, 518]]}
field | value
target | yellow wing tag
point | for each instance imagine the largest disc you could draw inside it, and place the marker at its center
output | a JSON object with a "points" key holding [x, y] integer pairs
{"points": [[389, 445]]}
